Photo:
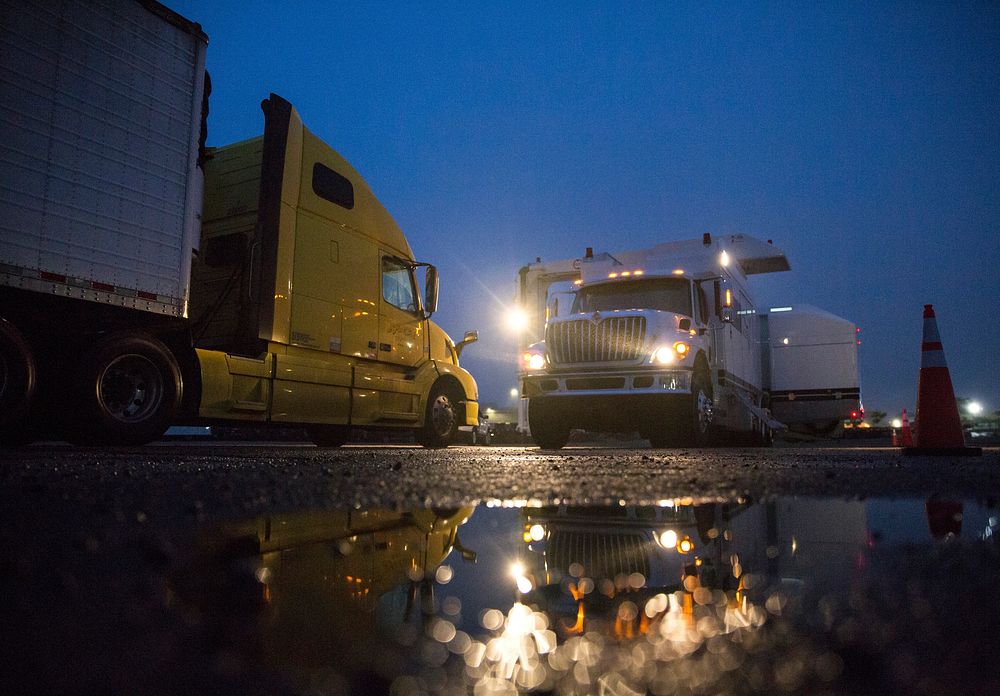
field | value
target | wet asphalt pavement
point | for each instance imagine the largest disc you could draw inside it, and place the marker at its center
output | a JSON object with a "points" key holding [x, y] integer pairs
{"points": [[196, 568]]}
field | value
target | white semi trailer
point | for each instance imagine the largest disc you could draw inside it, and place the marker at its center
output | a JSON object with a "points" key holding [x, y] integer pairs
{"points": [[668, 342]]}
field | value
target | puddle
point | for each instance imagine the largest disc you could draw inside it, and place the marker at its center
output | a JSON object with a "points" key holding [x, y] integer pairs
{"points": [[723, 596]]}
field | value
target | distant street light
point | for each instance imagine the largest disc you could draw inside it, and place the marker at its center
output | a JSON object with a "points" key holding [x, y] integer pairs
{"points": [[514, 392], [974, 408], [896, 423]]}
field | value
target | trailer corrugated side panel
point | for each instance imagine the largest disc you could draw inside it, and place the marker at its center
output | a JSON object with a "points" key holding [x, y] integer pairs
{"points": [[100, 193]]}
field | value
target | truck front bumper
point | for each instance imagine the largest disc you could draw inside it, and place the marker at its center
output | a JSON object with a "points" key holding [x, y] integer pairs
{"points": [[607, 383], [609, 401]]}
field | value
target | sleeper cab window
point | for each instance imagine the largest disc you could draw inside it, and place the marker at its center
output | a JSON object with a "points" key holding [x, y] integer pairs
{"points": [[397, 284], [331, 186]]}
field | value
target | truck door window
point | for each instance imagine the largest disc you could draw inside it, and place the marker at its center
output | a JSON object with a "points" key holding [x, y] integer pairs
{"points": [[397, 284], [702, 304], [665, 294]]}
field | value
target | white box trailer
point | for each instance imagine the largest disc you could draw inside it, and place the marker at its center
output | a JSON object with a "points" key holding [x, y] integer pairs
{"points": [[667, 342], [101, 105], [810, 367]]}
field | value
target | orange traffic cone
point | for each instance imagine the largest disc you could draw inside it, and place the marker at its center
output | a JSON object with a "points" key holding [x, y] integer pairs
{"points": [[939, 428], [907, 439], [895, 442]]}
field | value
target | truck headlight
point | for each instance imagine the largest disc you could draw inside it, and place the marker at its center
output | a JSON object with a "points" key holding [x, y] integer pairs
{"points": [[534, 357], [665, 355]]}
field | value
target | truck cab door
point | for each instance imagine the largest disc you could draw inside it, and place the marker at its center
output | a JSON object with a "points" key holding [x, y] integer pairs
{"points": [[402, 335]]}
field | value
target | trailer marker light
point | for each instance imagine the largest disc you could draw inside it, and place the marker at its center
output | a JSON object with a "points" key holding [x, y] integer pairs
{"points": [[678, 271], [578, 281]]}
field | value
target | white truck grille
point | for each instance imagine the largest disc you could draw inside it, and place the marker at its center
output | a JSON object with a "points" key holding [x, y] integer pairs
{"points": [[614, 339], [602, 555]]}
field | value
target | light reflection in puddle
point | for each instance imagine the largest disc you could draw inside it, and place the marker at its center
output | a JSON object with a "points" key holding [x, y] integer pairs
{"points": [[797, 596]]}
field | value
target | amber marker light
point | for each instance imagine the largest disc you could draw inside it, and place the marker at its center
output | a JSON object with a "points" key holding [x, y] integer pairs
{"points": [[681, 348], [685, 545]]}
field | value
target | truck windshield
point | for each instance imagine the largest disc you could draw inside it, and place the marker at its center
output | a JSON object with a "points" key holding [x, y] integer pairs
{"points": [[665, 294]]}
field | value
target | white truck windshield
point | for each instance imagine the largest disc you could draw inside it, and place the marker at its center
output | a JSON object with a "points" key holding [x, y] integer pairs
{"points": [[665, 294]]}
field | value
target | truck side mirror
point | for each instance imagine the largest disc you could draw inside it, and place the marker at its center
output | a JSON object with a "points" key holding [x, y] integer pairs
{"points": [[431, 284], [470, 337]]}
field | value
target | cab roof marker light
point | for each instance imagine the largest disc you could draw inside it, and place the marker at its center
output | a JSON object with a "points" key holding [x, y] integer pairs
{"points": [[638, 271], [612, 275], [626, 273], [678, 271], [781, 309]]}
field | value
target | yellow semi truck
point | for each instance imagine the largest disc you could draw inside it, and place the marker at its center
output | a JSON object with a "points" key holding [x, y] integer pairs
{"points": [[146, 280]]}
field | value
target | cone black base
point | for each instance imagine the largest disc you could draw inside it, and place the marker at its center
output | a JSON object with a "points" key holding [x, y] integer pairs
{"points": [[944, 451]]}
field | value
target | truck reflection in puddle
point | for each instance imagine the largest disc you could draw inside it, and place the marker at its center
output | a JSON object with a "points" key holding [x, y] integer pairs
{"points": [[684, 595]]}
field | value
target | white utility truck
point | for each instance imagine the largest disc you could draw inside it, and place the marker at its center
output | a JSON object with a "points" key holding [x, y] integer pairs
{"points": [[667, 342], [146, 280]]}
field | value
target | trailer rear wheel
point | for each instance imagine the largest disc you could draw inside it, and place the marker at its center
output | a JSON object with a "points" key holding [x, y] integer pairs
{"points": [[329, 435], [441, 418], [17, 385], [129, 389], [549, 430]]}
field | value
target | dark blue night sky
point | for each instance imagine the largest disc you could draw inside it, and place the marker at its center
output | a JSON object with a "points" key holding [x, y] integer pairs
{"points": [[864, 139]]}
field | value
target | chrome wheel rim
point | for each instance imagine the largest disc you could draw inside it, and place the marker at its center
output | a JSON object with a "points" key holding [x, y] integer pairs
{"points": [[130, 388], [442, 415], [703, 408]]}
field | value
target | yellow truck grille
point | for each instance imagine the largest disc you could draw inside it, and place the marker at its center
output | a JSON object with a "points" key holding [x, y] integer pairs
{"points": [[614, 339]]}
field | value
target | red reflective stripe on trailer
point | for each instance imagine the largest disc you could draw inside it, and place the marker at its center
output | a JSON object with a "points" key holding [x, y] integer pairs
{"points": [[102, 286], [45, 275], [146, 295]]}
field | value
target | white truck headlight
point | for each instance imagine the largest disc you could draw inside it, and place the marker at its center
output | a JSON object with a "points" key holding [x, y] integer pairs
{"points": [[665, 355], [534, 357]]}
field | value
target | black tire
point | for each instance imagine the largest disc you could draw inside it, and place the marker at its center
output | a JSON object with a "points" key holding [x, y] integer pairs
{"points": [[548, 429], [17, 374], [329, 435], [128, 391], [441, 418], [698, 427], [689, 422], [17, 386]]}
